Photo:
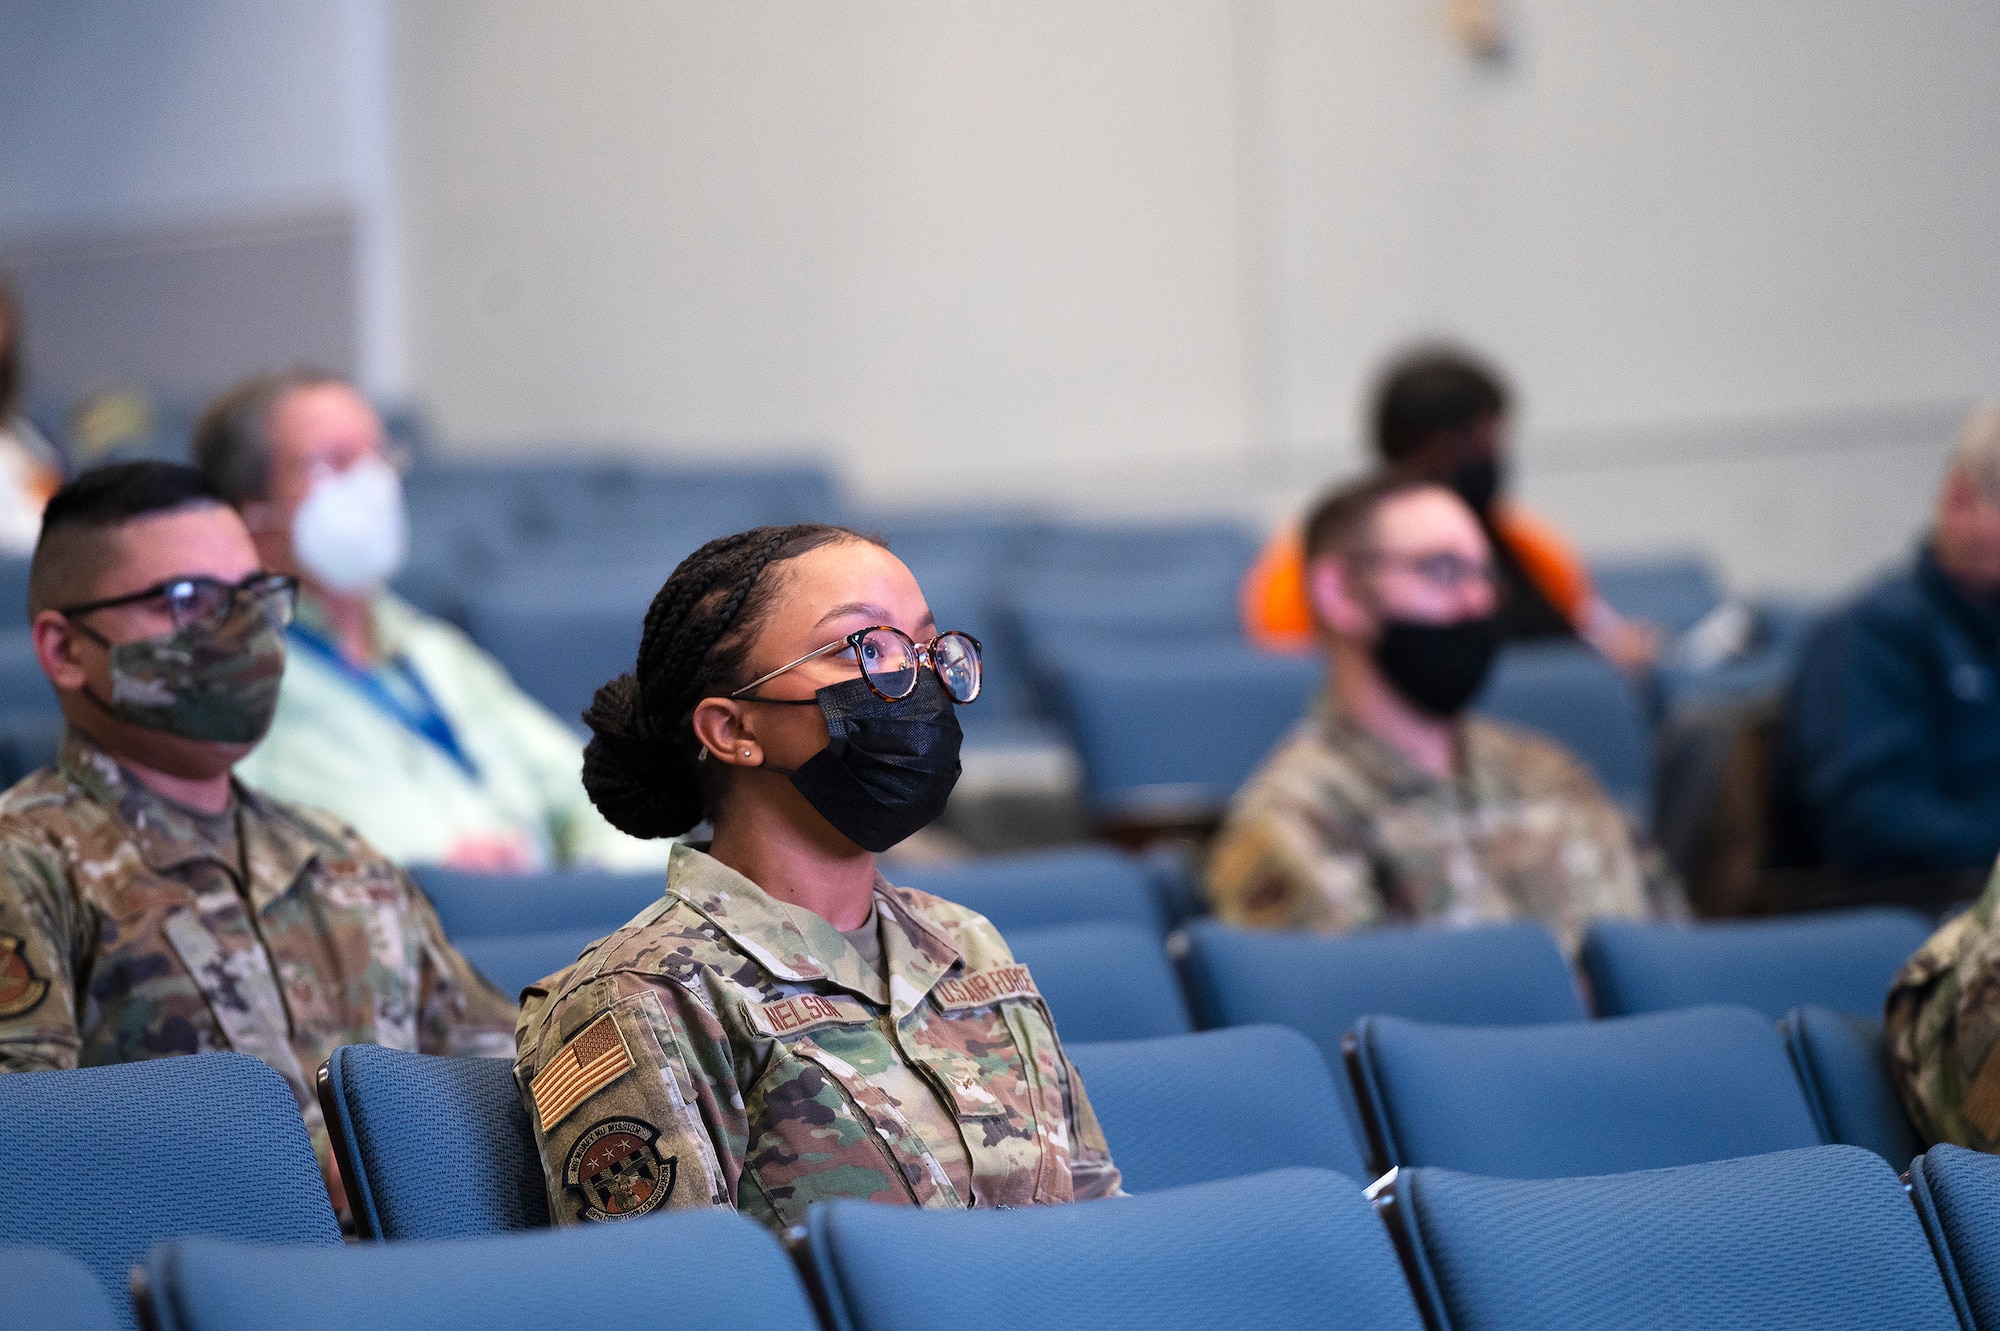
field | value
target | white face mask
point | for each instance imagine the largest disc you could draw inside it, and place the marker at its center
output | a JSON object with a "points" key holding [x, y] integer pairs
{"points": [[352, 533]]}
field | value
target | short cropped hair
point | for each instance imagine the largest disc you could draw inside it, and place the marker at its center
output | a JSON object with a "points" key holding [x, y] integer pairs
{"points": [[1430, 389], [232, 441], [1976, 455], [78, 542], [1340, 523]]}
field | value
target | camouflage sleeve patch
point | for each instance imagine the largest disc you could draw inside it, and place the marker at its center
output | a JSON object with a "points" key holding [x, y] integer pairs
{"points": [[21, 990], [618, 1113]]}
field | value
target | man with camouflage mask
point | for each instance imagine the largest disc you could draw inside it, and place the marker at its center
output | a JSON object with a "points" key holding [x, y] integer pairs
{"points": [[151, 905]]}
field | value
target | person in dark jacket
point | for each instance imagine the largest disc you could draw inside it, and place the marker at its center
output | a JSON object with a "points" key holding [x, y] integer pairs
{"points": [[1893, 725]]}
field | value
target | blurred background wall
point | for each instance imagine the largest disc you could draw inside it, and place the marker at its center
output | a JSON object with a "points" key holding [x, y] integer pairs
{"points": [[1104, 253]]}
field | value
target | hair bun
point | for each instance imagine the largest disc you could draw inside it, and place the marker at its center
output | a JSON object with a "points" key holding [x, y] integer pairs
{"points": [[646, 788]]}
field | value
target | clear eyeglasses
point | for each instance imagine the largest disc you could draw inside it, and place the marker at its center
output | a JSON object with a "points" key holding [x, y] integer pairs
{"points": [[208, 603], [890, 660]]}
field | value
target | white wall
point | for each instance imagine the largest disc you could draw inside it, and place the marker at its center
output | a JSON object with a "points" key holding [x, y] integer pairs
{"points": [[977, 246], [1739, 259], [149, 123]]}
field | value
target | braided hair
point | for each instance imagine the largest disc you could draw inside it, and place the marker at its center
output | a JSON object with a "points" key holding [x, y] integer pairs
{"points": [[640, 767]]}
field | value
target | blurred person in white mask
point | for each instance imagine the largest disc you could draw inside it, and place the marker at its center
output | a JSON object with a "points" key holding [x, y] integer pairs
{"points": [[29, 471], [388, 717]]}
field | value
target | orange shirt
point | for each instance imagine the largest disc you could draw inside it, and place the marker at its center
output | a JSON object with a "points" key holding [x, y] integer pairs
{"points": [[1277, 613]]}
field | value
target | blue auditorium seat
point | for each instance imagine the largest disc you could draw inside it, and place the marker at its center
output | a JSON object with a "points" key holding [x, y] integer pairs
{"points": [[1502, 975], [1673, 591], [28, 740], [1216, 1104], [431, 1147], [1510, 974], [1844, 1068], [42, 1289], [1041, 888], [1595, 1097], [23, 686], [515, 961], [1295, 1248], [1844, 960], [102, 1163], [1819, 1237], [1145, 547], [14, 589], [561, 633], [1957, 1195], [706, 1270], [1103, 981], [480, 905], [1169, 732], [1571, 694]]}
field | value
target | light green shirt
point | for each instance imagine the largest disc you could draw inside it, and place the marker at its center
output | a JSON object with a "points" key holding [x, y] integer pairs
{"points": [[333, 747]]}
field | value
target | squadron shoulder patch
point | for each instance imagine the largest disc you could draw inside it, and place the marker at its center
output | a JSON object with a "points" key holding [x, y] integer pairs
{"points": [[595, 1058], [615, 1168], [20, 988]]}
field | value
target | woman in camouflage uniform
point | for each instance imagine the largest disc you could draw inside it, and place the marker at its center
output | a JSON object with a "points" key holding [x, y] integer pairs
{"points": [[783, 1026]]}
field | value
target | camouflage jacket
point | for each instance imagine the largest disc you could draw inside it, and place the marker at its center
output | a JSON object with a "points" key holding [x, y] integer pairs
{"points": [[1943, 1029], [125, 935], [728, 1049], [1337, 831]]}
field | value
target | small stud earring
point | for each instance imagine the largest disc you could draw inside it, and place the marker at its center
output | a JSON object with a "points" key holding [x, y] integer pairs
{"points": [[746, 753]]}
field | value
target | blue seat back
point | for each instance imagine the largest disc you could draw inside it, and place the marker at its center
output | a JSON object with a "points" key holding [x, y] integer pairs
{"points": [[1040, 889], [103, 1163], [42, 1289], [432, 1147], [1842, 960], [1820, 1237], [479, 905], [1104, 981], [1596, 1097], [1957, 1195], [1498, 975], [23, 686], [708, 1270], [1571, 694], [28, 740], [1294, 1248], [515, 961], [1673, 591], [1508, 975], [1165, 731], [1216, 1104], [1844, 1067]]}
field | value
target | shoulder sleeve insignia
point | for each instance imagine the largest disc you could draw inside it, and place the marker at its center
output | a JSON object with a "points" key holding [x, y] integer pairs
{"points": [[994, 984], [20, 988], [617, 1171], [583, 1067]]}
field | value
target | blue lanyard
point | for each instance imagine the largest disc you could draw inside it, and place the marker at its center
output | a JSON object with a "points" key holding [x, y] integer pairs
{"points": [[418, 712]]}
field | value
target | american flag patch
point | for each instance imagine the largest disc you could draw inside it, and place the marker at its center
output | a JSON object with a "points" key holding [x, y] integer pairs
{"points": [[586, 1065]]}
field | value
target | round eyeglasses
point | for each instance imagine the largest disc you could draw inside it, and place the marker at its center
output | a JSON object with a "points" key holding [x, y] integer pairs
{"points": [[890, 660], [208, 603]]}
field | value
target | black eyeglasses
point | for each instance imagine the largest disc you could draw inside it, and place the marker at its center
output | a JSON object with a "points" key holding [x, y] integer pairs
{"points": [[203, 602], [890, 660]]}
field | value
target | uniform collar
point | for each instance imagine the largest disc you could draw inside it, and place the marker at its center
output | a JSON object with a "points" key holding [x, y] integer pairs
{"points": [[1384, 765], [796, 944], [168, 839]]}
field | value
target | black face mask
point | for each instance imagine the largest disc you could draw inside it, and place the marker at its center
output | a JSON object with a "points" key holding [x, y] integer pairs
{"points": [[1437, 668], [1477, 482], [888, 767]]}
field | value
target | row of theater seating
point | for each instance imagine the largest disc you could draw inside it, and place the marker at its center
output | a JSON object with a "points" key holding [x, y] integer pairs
{"points": [[199, 1171], [1093, 631], [1093, 927]]}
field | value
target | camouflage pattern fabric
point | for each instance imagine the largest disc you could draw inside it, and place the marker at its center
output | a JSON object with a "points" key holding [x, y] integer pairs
{"points": [[1943, 1029], [728, 1049], [1337, 831], [126, 934], [219, 684]]}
